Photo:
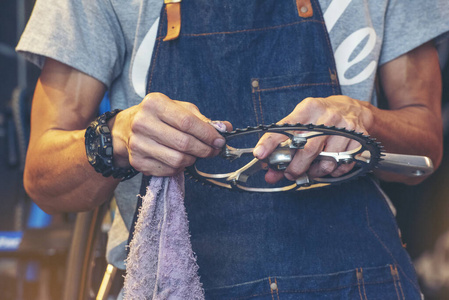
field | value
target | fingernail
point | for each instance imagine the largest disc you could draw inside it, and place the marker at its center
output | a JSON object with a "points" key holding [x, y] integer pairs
{"points": [[219, 143], [259, 151]]}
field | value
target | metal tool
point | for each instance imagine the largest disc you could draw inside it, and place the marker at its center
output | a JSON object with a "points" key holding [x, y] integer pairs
{"points": [[365, 158]]}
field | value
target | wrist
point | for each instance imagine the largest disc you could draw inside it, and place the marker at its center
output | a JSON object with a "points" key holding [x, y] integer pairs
{"points": [[368, 111], [120, 155], [100, 148]]}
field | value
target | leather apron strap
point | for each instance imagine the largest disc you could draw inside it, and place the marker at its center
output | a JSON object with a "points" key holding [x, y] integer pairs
{"points": [[173, 10]]}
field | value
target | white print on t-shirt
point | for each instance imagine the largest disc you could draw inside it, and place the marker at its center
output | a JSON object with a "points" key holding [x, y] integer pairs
{"points": [[342, 54], [344, 51], [142, 61]]}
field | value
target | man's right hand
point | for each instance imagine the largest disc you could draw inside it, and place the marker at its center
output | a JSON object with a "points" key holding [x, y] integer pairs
{"points": [[161, 136], [157, 137]]}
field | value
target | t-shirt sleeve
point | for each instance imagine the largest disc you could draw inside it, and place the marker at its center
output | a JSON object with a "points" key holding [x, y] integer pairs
{"points": [[83, 34], [411, 23]]}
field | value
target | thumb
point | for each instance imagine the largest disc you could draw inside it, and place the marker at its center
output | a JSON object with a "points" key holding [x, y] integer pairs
{"points": [[267, 144]]}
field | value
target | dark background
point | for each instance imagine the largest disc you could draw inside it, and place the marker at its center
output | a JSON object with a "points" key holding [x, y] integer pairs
{"points": [[422, 210]]}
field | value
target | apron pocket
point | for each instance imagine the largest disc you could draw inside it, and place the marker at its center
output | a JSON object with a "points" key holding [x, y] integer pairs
{"points": [[361, 283], [276, 97]]}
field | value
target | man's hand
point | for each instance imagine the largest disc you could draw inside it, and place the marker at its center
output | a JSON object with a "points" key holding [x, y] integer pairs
{"points": [[411, 125], [339, 111], [161, 136]]}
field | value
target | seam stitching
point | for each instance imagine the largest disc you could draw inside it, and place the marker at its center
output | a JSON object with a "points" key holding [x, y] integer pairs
{"points": [[388, 250]]}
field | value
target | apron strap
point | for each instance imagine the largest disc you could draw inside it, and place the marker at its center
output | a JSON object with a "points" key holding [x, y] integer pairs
{"points": [[305, 9], [173, 9]]}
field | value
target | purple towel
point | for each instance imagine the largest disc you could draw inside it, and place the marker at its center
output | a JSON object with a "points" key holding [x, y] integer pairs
{"points": [[161, 263]]}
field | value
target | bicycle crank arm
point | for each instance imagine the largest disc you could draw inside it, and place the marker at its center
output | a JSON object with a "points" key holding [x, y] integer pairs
{"points": [[403, 164]]}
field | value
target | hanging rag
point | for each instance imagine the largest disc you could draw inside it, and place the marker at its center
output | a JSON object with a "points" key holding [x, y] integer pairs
{"points": [[161, 263]]}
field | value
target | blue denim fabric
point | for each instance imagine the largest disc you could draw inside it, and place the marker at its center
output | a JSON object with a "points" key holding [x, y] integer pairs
{"points": [[336, 243]]}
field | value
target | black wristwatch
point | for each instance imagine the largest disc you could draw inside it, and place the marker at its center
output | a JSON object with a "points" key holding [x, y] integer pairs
{"points": [[98, 141]]}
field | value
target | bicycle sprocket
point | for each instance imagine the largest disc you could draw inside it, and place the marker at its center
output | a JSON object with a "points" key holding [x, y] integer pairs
{"points": [[242, 175]]}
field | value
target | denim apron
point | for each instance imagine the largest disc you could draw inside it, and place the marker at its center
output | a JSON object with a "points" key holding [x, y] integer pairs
{"points": [[251, 62]]}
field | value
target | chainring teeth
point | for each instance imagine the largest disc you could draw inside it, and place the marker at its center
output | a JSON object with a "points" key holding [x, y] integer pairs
{"points": [[367, 143]]}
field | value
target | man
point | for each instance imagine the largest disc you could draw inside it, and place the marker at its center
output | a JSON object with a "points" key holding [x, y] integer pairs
{"points": [[98, 48]]}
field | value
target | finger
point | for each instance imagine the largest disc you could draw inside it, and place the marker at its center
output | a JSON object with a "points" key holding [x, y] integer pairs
{"points": [[273, 176], [152, 167], [326, 166], [346, 168], [303, 158], [180, 141], [184, 117], [270, 141], [143, 150], [322, 168], [342, 170], [198, 127], [147, 128], [267, 143]]}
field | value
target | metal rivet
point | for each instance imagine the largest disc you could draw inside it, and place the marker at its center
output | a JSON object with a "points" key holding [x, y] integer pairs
{"points": [[255, 83], [304, 9], [274, 286], [359, 275], [333, 77]]}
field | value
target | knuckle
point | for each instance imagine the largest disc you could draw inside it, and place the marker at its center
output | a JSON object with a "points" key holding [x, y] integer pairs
{"points": [[190, 106], [341, 170], [350, 125], [189, 160], [136, 163], [183, 143], [334, 118], [310, 152], [148, 101], [295, 170], [186, 122], [137, 125], [152, 101], [326, 167], [179, 160], [133, 145], [307, 104], [345, 98], [308, 101], [176, 160]]}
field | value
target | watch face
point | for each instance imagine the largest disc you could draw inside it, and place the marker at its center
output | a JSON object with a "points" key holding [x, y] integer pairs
{"points": [[108, 151], [92, 148]]}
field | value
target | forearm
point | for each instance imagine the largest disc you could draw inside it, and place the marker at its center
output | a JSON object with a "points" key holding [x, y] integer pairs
{"points": [[412, 124], [58, 176], [414, 130]]}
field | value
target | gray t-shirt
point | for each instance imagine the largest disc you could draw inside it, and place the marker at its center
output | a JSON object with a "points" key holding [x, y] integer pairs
{"points": [[113, 40]]}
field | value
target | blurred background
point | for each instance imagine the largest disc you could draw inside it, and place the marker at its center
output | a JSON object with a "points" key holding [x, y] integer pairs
{"points": [[62, 256]]}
